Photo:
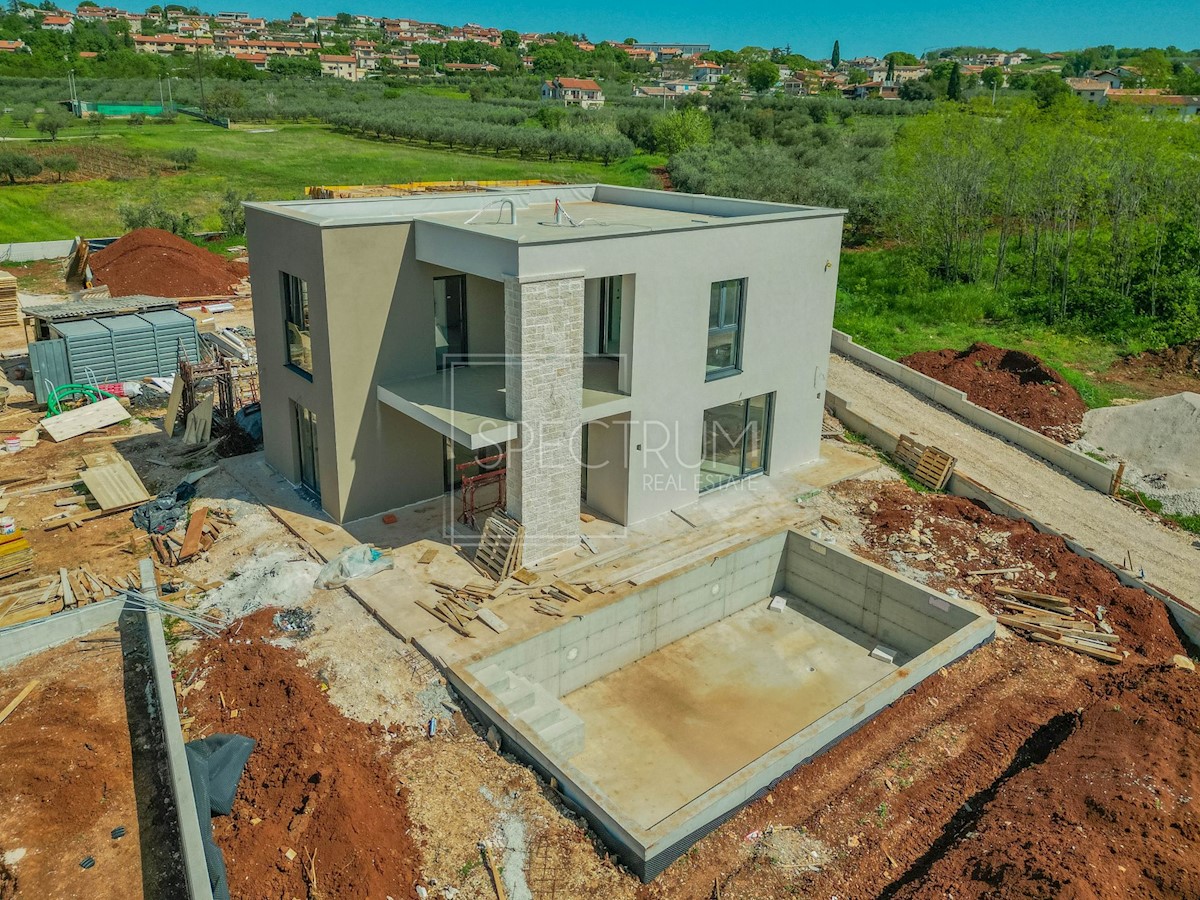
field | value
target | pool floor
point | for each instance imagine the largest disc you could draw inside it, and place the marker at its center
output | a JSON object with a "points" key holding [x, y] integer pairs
{"points": [[666, 728]]}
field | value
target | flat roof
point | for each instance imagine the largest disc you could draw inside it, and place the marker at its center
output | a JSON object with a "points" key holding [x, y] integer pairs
{"points": [[547, 214]]}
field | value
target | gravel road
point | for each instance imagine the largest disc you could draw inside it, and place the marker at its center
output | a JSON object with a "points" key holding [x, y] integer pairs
{"points": [[1171, 559]]}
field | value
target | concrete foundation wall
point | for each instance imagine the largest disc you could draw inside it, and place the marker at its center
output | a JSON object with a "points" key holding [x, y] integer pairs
{"points": [[566, 658], [1091, 472], [31, 250], [899, 614]]}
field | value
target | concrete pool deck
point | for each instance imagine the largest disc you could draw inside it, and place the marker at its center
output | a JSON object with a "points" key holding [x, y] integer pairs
{"points": [[664, 729]]}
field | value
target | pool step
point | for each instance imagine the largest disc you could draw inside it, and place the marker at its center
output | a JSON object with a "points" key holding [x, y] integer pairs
{"points": [[560, 729]]}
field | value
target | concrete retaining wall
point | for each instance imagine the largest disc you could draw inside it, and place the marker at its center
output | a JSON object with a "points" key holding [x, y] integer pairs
{"points": [[566, 658], [1091, 472], [20, 641], [31, 250], [195, 865]]}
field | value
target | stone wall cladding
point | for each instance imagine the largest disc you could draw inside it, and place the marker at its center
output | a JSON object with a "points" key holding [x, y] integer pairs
{"points": [[543, 335]]}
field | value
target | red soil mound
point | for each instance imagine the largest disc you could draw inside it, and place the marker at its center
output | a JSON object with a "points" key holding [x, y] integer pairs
{"points": [[1103, 815], [319, 782], [160, 264], [1013, 384]]}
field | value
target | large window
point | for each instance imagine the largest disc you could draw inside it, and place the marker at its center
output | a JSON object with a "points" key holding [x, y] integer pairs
{"points": [[306, 448], [735, 441], [726, 310], [295, 311]]}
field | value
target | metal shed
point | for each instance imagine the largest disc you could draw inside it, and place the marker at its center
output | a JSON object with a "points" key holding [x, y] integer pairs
{"points": [[127, 347]]}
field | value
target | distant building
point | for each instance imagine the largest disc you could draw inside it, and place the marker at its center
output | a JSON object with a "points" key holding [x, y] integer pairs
{"points": [[58, 23], [1091, 90], [710, 72], [582, 92], [344, 67], [664, 52], [13, 47]]}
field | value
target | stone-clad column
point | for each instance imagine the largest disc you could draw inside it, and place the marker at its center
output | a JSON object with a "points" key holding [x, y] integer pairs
{"points": [[543, 340]]}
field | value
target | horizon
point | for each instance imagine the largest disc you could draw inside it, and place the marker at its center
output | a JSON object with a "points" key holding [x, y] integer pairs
{"points": [[868, 29]]}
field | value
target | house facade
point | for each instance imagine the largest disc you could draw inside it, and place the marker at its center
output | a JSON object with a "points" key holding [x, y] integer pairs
{"points": [[623, 348], [573, 91]]}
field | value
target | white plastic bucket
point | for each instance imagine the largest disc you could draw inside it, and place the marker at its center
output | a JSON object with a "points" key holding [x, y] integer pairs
{"points": [[8, 525], [12, 444]]}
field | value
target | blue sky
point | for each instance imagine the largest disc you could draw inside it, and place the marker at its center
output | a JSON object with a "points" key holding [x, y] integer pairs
{"points": [[865, 27]]}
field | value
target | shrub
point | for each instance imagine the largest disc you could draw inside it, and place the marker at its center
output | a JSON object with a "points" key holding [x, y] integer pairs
{"points": [[18, 165], [183, 157], [63, 164]]}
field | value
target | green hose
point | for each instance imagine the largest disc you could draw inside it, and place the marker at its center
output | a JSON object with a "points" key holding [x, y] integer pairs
{"points": [[89, 393]]}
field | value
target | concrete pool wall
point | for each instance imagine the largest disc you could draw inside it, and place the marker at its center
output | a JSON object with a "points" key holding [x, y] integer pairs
{"points": [[521, 688]]}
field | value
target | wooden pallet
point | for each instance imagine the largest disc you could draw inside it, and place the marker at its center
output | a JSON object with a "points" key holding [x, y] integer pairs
{"points": [[930, 466], [499, 550]]}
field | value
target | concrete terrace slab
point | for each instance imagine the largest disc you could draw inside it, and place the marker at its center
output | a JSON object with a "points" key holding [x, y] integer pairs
{"points": [[467, 403], [664, 729]]}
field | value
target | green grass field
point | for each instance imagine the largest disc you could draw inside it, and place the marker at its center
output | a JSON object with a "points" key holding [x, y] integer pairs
{"points": [[881, 307], [273, 165]]}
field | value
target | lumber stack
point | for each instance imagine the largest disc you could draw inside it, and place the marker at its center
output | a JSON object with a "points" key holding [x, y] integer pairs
{"points": [[1056, 620], [10, 311], [15, 553]]}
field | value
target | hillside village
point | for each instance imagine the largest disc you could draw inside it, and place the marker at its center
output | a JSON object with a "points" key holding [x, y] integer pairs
{"points": [[354, 47]]}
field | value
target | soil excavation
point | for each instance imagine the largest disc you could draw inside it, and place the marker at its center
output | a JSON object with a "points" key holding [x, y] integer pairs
{"points": [[156, 263]]}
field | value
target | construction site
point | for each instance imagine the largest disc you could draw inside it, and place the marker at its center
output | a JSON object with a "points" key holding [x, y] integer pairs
{"points": [[861, 627]]}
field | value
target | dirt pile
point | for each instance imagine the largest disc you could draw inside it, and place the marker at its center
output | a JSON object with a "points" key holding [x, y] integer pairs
{"points": [[1181, 359], [1099, 816], [955, 537], [316, 783], [160, 264], [1011, 383]]}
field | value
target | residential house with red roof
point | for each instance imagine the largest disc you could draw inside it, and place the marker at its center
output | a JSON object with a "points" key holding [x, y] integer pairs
{"points": [[583, 92]]}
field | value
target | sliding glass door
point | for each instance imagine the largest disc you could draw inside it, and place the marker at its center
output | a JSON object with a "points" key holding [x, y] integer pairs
{"points": [[735, 441], [450, 320]]}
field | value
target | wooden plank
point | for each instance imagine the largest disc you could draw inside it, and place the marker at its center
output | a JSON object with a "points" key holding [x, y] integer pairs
{"points": [[115, 484], [191, 539], [570, 590], [428, 556], [92, 417], [172, 413], [68, 594], [19, 699], [1031, 597], [1080, 647], [199, 422], [88, 516]]}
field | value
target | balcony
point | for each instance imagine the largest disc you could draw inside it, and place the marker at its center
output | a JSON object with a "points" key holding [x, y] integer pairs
{"points": [[466, 403]]}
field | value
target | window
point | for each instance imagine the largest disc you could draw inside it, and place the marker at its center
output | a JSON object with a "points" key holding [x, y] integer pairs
{"points": [[726, 309], [610, 316], [295, 311], [734, 444]]}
